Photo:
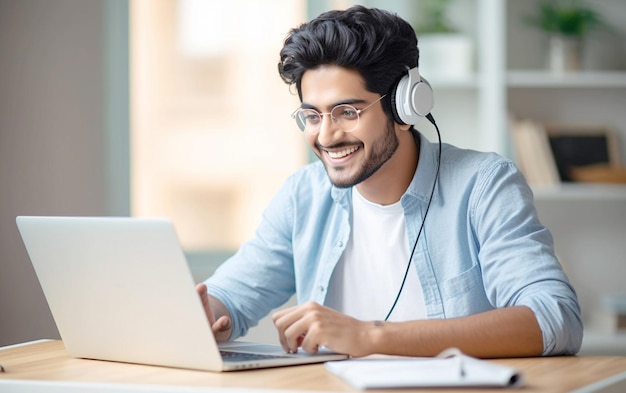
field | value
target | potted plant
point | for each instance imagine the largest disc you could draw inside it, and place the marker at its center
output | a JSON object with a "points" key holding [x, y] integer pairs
{"points": [[444, 50], [433, 17], [566, 23]]}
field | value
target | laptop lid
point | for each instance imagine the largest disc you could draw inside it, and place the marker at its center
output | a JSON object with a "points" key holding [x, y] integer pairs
{"points": [[120, 289]]}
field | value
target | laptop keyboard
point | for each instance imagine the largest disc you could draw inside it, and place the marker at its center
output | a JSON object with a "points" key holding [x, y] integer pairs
{"points": [[246, 356]]}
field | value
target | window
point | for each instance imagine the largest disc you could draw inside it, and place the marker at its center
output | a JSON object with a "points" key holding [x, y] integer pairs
{"points": [[212, 139]]}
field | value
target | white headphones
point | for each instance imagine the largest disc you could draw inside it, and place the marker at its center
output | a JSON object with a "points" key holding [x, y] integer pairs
{"points": [[412, 98]]}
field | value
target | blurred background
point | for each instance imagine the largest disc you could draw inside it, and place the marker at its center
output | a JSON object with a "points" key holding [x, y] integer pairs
{"points": [[174, 108]]}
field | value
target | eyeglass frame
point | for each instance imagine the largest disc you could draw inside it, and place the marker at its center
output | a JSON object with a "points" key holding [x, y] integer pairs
{"points": [[332, 118]]}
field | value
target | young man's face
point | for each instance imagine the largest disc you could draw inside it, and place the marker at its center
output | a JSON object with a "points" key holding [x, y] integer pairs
{"points": [[349, 158]]}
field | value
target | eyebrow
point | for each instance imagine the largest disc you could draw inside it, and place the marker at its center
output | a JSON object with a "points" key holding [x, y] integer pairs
{"points": [[350, 101]]}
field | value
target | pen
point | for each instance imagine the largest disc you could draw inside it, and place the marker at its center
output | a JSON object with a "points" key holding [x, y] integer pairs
{"points": [[456, 354], [461, 366]]}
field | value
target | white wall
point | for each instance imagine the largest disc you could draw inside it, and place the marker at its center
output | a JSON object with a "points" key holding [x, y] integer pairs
{"points": [[590, 240], [53, 107]]}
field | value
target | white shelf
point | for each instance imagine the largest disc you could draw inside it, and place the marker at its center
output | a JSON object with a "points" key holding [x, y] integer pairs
{"points": [[600, 343], [581, 192], [453, 82], [583, 79]]}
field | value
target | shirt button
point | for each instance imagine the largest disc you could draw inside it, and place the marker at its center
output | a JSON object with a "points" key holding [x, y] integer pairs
{"points": [[321, 288], [339, 243]]}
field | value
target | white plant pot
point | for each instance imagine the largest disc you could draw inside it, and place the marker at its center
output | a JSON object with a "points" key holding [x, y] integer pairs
{"points": [[565, 53], [448, 55]]}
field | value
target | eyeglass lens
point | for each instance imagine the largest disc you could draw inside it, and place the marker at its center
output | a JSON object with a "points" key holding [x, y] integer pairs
{"points": [[345, 116]]}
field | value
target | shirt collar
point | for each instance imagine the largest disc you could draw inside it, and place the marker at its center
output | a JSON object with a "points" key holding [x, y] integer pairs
{"points": [[422, 183]]}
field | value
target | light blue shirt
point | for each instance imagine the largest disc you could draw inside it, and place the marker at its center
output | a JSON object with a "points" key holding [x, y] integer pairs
{"points": [[482, 247]]}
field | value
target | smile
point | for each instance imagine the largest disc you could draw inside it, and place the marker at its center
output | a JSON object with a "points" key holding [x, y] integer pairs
{"points": [[342, 153]]}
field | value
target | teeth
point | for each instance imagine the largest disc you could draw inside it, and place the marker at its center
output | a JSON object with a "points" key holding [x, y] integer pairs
{"points": [[342, 153]]}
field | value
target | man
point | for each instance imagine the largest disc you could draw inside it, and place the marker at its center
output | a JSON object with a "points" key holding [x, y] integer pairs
{"points": [[393, 244]]}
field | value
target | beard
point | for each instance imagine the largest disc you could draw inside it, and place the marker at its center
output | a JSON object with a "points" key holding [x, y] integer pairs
{"points": [[382, 150]]}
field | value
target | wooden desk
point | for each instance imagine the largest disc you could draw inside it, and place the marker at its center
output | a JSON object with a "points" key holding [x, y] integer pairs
{"points": [[48, 361]]}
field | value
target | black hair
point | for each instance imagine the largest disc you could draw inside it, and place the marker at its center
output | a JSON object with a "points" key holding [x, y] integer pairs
{"points": [[377, 43]]}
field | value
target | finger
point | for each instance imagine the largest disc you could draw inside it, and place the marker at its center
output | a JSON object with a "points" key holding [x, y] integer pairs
{"points": [[202, 292], [204, 298], [279, 323], [290, 327], [281, 313], [281, 333], [310, 344], [296, 331], [294, 336], [222, 324]]}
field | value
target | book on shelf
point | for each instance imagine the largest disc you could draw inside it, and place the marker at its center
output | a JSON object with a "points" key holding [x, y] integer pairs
{"points": [[586, 153], [533, 153]]}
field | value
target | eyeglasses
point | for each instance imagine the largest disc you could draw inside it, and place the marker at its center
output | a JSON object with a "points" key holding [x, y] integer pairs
{"points": [[345, 116]]}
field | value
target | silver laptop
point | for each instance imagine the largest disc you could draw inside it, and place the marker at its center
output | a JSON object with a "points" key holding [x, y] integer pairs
{"points": [[120, 289]]}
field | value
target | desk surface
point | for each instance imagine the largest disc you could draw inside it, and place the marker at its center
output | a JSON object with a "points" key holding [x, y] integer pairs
{"points": [[48, 361]]}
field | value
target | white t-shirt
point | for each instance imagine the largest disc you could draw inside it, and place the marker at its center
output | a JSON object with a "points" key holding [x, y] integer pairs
{"points": [[368, 276]]}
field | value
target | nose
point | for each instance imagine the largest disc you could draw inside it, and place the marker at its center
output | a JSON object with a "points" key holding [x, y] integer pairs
{"points": [[328, 130]]}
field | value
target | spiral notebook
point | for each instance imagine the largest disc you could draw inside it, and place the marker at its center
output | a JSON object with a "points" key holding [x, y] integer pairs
{"points": [[451, 368]]}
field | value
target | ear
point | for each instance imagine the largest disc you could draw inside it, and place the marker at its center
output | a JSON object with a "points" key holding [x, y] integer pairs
{"points": [[402, 127]]}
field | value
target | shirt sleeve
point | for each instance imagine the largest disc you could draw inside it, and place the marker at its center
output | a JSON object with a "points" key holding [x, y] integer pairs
{"points": [[260, 276], [518, 261]]}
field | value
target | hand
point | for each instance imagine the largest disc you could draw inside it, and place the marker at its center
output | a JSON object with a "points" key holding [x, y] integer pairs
{"points": [[221, 326], [312, 325]]}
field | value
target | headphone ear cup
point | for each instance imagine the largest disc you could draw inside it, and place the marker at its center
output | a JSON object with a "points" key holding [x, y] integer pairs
{"points": [[393, 100], [412, 98]]}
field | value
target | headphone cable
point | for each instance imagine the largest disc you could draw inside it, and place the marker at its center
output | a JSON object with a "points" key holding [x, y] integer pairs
{"points": [[430, 199]]}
